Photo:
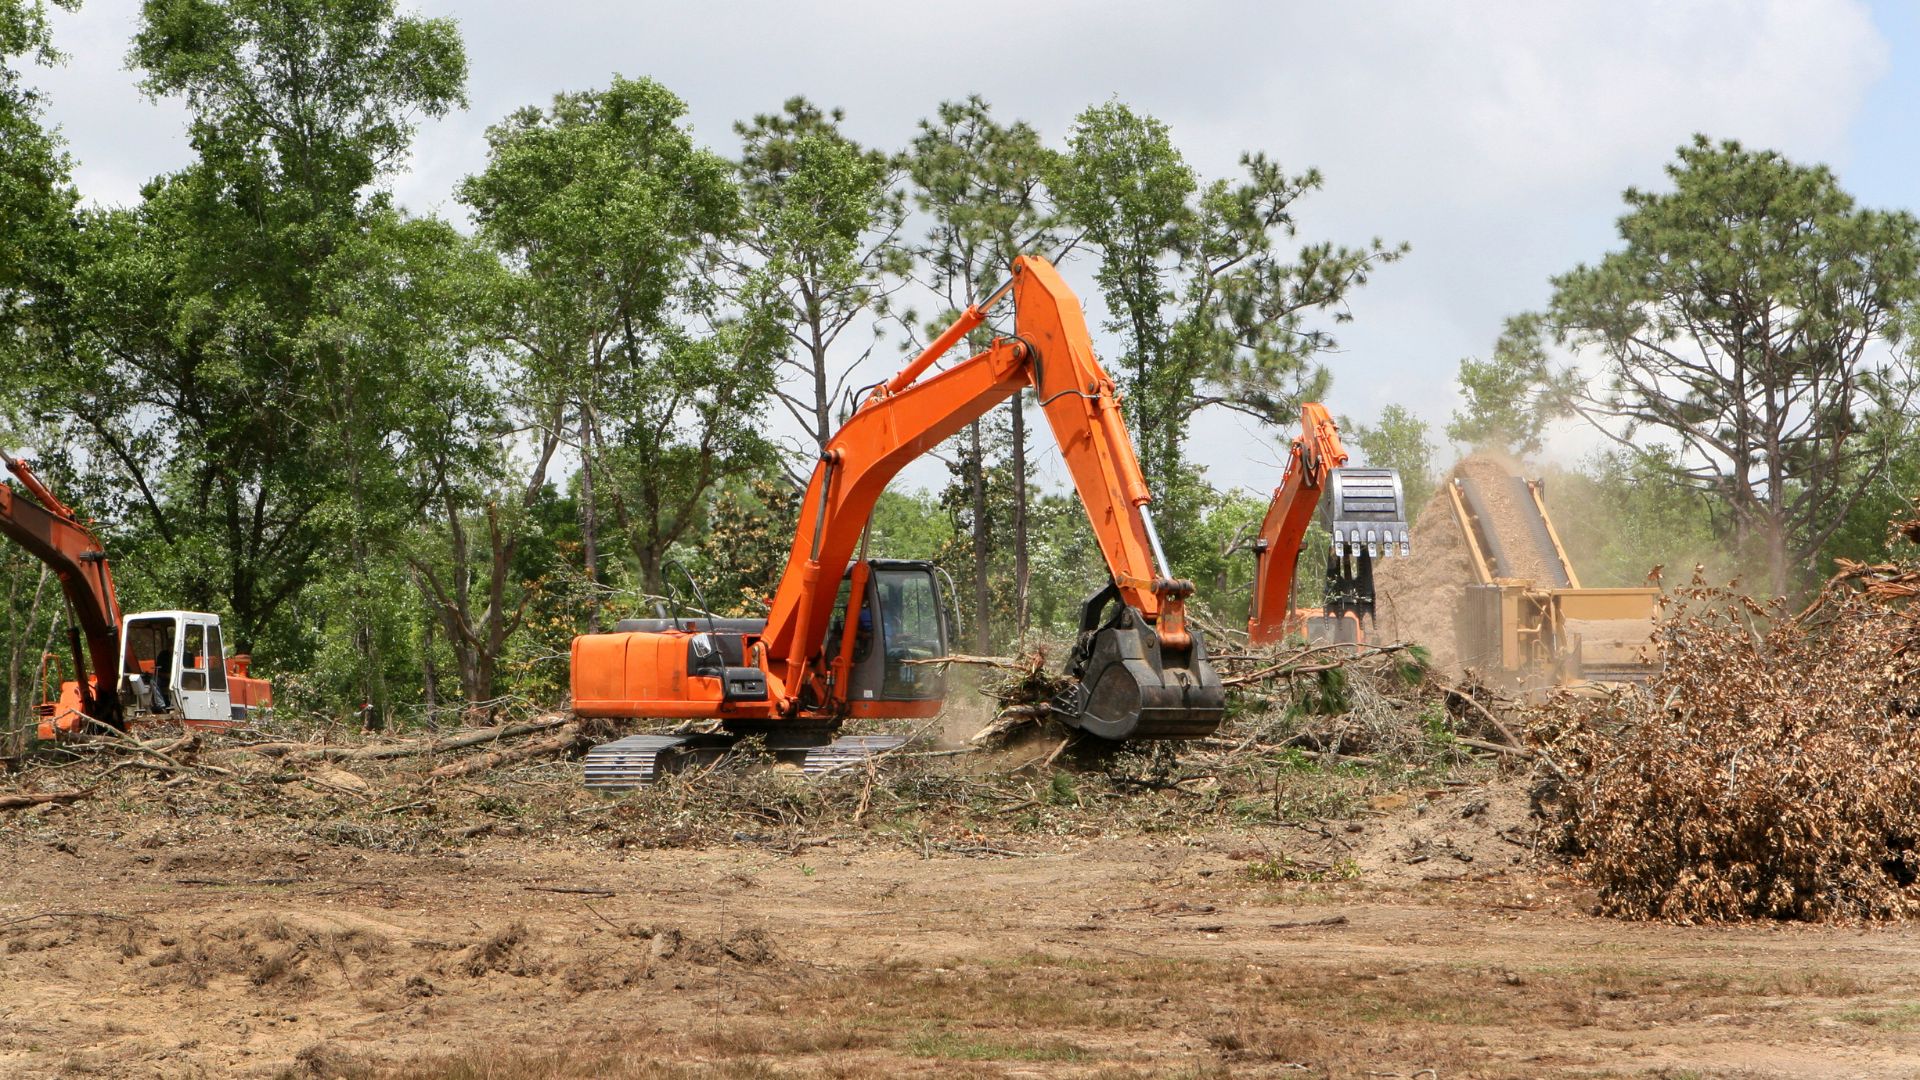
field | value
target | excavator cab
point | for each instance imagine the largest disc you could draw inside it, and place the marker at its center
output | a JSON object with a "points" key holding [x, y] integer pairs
{"points": [[173, 666], [899, 621], [650, 668]]}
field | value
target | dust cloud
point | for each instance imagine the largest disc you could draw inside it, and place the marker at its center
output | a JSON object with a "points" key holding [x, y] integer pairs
{"points": [[1417, 598]]}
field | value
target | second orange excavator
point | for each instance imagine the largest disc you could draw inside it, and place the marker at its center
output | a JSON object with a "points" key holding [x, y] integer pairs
{"points": [[851, 636], [148, 667], [1364, 512]]}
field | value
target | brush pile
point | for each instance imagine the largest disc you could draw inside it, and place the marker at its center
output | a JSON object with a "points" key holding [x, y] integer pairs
{"points": [[1773, 771]]}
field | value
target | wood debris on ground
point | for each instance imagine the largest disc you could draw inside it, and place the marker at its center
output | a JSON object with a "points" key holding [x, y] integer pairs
{"points": [[1768, 771]]}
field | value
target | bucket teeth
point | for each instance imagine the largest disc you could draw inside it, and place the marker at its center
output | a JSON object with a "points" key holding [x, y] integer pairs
{"points": [[1365, 511]]}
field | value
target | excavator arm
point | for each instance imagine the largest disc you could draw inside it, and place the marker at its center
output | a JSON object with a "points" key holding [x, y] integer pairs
{"points": [[1364, 513], [50, 531], [1142, 672]]}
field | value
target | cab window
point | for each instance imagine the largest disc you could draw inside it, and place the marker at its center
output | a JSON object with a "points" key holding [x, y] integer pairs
{"points": [[216, 661], [910, 629], [193, 658], [149, 648]]}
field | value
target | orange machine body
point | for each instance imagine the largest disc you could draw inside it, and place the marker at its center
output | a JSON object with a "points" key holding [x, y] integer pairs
{"points": [[1315, 453], [798, 667]]}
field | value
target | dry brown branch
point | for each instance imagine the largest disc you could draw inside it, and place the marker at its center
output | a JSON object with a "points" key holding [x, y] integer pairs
{"points": [[22, 802], [569, 739], [1768, 772], [411, 748], [1513, 744]]}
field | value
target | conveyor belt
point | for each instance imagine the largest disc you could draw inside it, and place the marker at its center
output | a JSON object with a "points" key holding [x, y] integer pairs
{"points": [[1512, 532]]}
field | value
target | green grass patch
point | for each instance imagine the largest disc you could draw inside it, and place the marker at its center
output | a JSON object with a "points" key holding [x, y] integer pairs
{"points": [[1905, 1017]]}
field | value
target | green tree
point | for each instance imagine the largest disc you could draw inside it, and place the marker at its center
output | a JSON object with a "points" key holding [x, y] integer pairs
{"points": [[1513, 395], [980, 182], [1620, 517], [1210, 306], [603, 206], [1222, 554], [821, 251], [1751, 321], [36, 213], [1399, 441], [201, 367], [36, 195]]}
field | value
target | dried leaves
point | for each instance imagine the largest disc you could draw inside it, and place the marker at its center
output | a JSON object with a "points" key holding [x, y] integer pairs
{"points": [[1773, 771]]}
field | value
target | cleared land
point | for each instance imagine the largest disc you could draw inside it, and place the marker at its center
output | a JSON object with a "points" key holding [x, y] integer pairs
{"points": [[518, 928]]}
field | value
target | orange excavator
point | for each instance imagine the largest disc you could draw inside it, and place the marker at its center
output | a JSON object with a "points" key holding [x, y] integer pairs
{"points": [[1364, 512], [156, 665], [851, 636]]}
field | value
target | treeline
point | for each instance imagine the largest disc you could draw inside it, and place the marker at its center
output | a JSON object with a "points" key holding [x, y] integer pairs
{"points": [[408, 457], [1747, 357]]}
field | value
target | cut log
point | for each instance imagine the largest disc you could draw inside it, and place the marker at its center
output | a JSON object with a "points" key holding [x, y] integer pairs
{"points": [[415, 748], [568, 739]]}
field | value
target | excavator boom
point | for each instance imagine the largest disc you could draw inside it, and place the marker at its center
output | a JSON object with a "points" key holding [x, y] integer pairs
{"points": [[50, 531]]}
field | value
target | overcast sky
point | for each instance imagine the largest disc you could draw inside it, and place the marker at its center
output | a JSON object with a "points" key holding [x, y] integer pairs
{"points": [[1494, 137]]}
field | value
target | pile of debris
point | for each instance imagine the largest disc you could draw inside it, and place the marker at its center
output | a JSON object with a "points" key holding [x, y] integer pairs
{"points": [[1771, 771]]}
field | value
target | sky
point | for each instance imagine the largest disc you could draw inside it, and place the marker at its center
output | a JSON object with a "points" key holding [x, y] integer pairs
{"points": [[1493, 136]]}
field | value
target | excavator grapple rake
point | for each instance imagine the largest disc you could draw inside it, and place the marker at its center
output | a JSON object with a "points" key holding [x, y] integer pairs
{"points": [[1129, 684]]}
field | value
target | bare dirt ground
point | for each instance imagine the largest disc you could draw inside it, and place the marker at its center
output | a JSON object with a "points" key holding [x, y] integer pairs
{"points": [[138, 943]]}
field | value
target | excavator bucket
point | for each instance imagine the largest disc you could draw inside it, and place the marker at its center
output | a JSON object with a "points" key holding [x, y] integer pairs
{"points": [[1365, 514], [1129, 684]]}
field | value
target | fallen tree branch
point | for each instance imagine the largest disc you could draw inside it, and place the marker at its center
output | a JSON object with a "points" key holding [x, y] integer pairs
{"points": [[568, 739], [573, 890], [1514, 745], [1291, 667], [37, 916], [1007, 662], [388, 751], [1331, 920], [22, 802]]}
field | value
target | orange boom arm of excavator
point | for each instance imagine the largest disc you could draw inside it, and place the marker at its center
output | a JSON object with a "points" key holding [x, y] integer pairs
{"points": [[907, 416], [50, 531], [1317, 451]]}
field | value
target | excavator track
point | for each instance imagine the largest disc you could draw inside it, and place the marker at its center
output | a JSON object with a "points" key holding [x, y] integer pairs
{"points": [[640, 760]]}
